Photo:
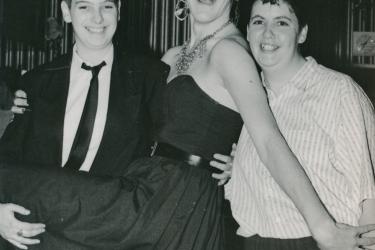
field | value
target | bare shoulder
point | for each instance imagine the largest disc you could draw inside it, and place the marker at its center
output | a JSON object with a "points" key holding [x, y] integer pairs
{"points": [[231, 53], [229, 45], [170, 56]]}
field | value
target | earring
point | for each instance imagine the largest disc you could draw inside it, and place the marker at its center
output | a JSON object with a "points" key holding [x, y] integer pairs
{"points": [[181, 10]]}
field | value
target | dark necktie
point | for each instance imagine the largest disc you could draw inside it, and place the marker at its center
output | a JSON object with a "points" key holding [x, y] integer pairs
{"points": [[86, 125]]}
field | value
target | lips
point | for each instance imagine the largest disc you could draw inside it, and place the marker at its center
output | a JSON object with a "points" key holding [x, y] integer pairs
{"points": [[268, 47], [206, 1], [95, 29]]}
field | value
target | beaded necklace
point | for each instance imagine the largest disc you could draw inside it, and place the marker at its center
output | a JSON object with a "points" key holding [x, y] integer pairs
{"points": [[185, 58]]}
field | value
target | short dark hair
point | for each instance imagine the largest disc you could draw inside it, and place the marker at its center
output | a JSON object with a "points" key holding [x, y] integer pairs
{"points": [[298, 7], [69, 2], [234, 11]]}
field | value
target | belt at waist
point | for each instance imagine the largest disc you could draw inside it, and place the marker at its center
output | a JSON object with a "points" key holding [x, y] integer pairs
{"points": [[169, 151]]}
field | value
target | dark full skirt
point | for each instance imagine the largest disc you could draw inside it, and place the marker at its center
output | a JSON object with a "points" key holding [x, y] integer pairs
{"points": [[158, 204]]}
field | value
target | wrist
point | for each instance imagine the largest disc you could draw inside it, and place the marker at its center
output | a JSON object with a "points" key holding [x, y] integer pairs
{"points": [[322, 229]]}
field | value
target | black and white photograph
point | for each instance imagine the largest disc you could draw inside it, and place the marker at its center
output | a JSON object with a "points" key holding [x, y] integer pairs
{"points": [[187, 124]]}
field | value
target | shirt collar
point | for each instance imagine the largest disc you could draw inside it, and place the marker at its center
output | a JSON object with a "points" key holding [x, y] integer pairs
{"points": [[108, 58], [299, 79]]}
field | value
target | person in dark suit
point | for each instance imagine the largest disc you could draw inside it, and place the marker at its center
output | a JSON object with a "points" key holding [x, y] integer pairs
{"points": [[131, 95], [56, 94]]}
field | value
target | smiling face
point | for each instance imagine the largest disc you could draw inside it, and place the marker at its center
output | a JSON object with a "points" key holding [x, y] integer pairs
{"points": [[94, 22], [274, 34], [206, 11]]}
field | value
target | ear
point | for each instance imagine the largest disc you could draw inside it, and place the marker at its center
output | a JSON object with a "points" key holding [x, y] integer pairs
{"points": [[303, 34], [118, 10], [66, 12]]}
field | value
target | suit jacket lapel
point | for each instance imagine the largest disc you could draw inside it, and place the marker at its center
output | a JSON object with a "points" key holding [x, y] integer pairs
{"points": [[115, 117], [122, 115], [54, 93]]}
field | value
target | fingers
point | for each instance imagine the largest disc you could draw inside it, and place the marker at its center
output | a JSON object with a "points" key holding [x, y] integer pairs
{"points": [[366, 241], [223, 158], [365, 229], [20, 102], [20, 94], [222, 182], [18, 209], [223, 163], [17, 110], [223, 178], [31, 229], [17, 232], [359, 230], [27, 229], [17, 244], [221, 166], [24, 225], [226, 173], [26, 241], [21, 237], [33, 232], [21, 242]]}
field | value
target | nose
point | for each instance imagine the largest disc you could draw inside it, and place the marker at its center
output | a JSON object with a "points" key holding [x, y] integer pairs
{"points": [[98, 15], [268, 31]]}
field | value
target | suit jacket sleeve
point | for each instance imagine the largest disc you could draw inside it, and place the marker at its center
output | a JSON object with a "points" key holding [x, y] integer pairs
{"points": [[157, 81]]}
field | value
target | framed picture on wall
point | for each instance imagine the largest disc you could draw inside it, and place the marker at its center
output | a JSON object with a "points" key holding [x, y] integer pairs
{"points": [[361, 30], [363, 44]]}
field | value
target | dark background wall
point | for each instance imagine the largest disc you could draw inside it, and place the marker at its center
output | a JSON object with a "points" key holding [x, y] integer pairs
{"points": [[149, 25]]}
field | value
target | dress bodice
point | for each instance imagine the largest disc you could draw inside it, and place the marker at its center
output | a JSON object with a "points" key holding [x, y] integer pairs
{"points": [[194, 122]]}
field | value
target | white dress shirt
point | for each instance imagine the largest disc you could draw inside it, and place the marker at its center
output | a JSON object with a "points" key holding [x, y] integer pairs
{"points": [[78, 89]]}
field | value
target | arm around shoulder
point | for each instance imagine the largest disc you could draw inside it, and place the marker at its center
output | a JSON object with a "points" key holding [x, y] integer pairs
{"points": [[12, 141], [242, 80]]}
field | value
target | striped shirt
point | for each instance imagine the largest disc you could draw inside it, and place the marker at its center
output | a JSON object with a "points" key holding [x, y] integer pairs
{"points": [[329, 124]]}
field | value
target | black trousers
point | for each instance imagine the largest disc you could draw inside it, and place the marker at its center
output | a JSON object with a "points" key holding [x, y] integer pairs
{"points": [[259, 243]]}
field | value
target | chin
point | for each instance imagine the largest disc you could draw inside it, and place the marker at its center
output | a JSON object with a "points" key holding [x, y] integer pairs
{"points": [[97, 45], [203, 18]]}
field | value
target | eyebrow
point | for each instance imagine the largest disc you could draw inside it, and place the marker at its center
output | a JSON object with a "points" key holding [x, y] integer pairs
{"points": [[284, 17], [85, 1], [277, 18], [256, 16]]}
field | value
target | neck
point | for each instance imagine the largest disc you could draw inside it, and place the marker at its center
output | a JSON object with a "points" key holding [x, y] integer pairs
{"points": [[276, 78], [201, 30], [92, 56]]}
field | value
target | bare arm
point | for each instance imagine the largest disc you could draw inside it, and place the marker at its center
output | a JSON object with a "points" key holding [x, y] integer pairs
{"points": [[243, 83], [241, 78]]}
